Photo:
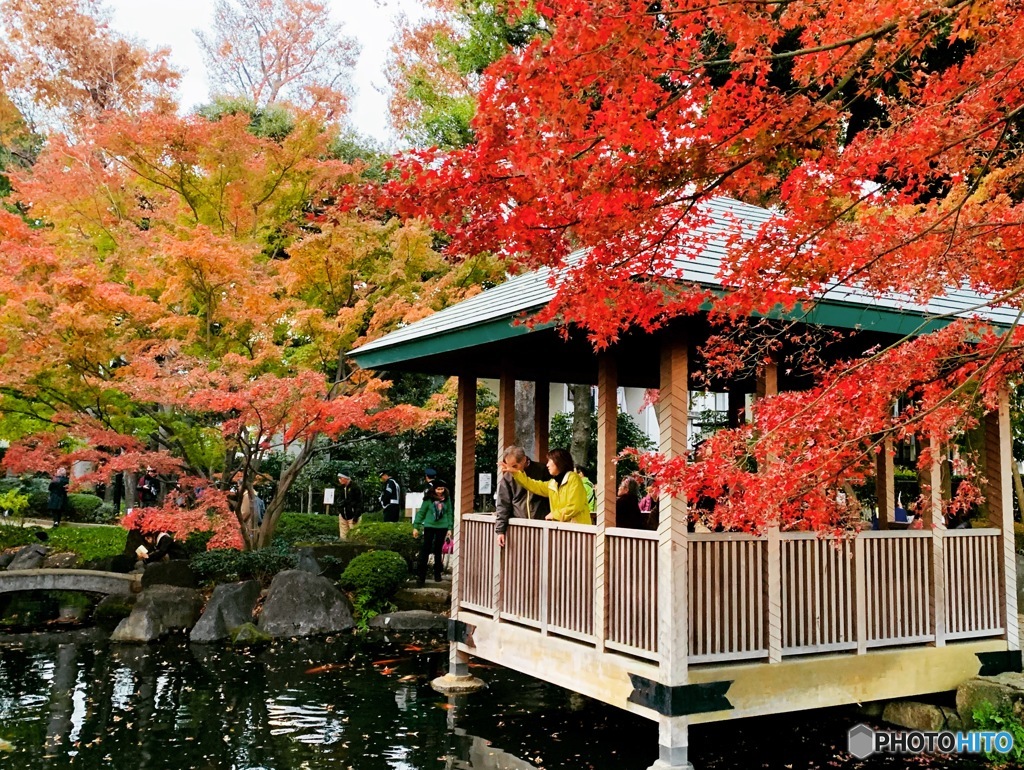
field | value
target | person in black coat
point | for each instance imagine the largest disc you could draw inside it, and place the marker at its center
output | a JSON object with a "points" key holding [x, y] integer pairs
{"points": [[391, 497], [627, 507], [57, 501], [349, 499]]}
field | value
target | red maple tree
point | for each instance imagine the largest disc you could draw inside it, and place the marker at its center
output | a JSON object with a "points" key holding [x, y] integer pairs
{"points": [[885, 139]]}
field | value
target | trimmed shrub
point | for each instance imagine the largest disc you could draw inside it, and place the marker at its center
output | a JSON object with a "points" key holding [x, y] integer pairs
{"points": [[374, 516], [387, 536], [83, 507], [306, 528], [227, 565], [373, 578]]}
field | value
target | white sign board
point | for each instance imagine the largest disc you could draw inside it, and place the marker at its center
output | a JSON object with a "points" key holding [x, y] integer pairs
{"points": [[329, 496], [485, 483], [413, 501]]}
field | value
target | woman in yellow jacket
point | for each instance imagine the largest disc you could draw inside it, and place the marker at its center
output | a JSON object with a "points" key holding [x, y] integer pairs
{"points": [[565, 490]]}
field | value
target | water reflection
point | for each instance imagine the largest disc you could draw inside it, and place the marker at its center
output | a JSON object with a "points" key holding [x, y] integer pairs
{"points": [[70, 700]]}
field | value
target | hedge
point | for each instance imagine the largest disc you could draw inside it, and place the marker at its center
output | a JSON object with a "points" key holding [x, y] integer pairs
{"points": [[387, 536], [306, 528], [225, 565]]}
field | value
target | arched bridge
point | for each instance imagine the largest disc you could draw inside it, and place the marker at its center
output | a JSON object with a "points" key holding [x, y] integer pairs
{"points": [[84, 580]]}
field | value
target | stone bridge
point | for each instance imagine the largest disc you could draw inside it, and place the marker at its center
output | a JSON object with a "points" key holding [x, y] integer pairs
{"points": [[84, 580]]}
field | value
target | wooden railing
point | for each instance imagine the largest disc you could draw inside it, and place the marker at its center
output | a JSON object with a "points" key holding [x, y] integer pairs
{"points": [[726, 597], [973, 587], [817, 597], [632, 574], [897, 588], [833, 595]]}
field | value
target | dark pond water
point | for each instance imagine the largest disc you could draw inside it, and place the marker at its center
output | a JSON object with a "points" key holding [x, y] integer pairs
{"points": [[73, 700]]}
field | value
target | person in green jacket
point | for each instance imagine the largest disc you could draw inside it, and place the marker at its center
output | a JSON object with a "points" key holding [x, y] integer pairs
{"points": [[564, 491], [434, 521]]}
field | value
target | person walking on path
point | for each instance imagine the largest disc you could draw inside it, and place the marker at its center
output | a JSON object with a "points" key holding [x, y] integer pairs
{"points": [[434, 522], [350, 505], [515, 501], [391, 497], [57, 502], [564, 491]]}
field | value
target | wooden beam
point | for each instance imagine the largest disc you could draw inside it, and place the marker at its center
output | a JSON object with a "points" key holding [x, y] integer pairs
{"points": [[542, 420], [506, 410], [885, 483], [933, 520], [465, 492], [821, 681], [607, 421], [999, 495], [673, 548], [737, 408], [768, 385]]}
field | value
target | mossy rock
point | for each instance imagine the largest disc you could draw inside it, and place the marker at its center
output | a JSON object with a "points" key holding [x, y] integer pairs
{"points": [[113, 609], [248, 635]]}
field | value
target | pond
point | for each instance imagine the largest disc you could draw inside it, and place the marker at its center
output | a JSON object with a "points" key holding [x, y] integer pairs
{"points": [[74, 700]]}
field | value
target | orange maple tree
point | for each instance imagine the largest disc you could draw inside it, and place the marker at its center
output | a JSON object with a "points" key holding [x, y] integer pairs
{"points": [[886, 140], [176, 294]]}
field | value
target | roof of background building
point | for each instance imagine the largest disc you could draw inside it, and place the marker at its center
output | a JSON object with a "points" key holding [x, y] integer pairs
{"points": [[488, 316]]}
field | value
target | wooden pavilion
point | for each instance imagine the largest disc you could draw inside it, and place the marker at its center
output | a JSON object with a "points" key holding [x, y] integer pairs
{"points": [[688, 628]]}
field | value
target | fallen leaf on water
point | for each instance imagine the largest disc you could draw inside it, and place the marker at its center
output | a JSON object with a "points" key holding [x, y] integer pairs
{"points": [[387, 670], [6, 746]]}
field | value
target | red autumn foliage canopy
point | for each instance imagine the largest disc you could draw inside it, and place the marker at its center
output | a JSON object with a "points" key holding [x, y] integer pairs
{"points": [[887, 140]]}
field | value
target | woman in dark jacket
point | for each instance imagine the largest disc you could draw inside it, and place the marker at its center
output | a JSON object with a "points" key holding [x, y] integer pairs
{"points": [[58, 499], [627, 507]]}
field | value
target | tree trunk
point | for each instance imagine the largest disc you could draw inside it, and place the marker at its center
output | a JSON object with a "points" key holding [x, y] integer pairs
{"points": [[526, 402], [1018, 485], [582, 416], [131, 489], [275, 507]]}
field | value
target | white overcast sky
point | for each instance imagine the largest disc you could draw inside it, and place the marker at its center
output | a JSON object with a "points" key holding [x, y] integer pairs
{"points": [[171, 23]]}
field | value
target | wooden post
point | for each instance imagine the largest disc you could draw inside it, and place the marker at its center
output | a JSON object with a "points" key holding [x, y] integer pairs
{"points": [[999, 494], [465, 488], [933, 521], [885, 484], [542, 420], [737, 408], [506, 410], [768, 385], [607, 422], [860, 594], [673, 553]]}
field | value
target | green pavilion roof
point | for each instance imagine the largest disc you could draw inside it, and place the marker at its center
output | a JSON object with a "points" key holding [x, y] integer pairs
{"points": [[491, 316]]}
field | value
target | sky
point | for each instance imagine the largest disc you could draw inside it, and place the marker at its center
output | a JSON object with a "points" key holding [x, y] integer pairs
{"points": [[170, 23]]}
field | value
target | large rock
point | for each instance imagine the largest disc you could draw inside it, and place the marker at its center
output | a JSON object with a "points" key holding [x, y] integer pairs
{"points": [[301, 604], [915, 715], [159, 611], [333, 558], [410, 620], [305, 561], [66, 560], [169, 573], [248, 635], [1001, 691], [7, 557], [229, 608], [29, 557], [431, 599]]}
